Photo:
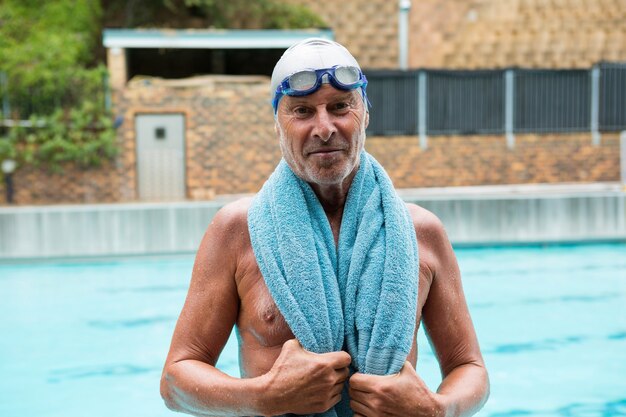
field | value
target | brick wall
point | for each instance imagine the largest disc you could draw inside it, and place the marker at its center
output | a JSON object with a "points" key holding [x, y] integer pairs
{"points": [[229, 139], [369, 29], [468, 34], [73, 184], [480, 160], [231, 148]]}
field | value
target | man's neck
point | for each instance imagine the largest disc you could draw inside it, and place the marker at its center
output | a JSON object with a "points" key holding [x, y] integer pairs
{"points": [[333, 199]]}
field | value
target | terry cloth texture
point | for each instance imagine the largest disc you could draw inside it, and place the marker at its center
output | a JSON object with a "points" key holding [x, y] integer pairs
{"points": [[361, 294]]}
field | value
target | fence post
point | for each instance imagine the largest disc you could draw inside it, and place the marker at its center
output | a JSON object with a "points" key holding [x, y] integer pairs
{"points": [[509, 110], [421, 106], [595, 106]]}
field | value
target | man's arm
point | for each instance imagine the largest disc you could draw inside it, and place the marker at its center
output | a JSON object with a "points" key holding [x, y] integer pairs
{"points": [[299, 381], [447, 321], [446, 318]]}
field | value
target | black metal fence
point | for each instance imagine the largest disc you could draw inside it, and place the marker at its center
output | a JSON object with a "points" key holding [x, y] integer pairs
{"points": [[497, 101], [612, 106], [464, 101], [394, 93], [552, 101]]}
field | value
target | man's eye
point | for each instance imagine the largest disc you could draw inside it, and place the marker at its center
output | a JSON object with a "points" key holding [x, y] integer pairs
{"points": [[301, 111], [341, 106]]}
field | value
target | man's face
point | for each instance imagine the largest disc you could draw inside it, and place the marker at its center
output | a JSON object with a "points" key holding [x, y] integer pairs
{"points": [[321, 135]]}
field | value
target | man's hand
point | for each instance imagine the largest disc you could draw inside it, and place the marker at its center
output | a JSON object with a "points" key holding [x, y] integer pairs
{"points": [[403, 394], [302, 382]]}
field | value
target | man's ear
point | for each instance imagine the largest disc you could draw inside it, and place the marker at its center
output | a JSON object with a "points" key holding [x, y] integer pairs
{"points": [[367, 118]]}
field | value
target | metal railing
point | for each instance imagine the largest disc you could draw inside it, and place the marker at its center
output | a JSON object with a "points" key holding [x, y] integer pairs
{"points": [[430, 102], [464, 101]]}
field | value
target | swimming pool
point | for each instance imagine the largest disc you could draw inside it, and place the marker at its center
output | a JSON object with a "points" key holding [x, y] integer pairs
{"points": [[90, 338]]}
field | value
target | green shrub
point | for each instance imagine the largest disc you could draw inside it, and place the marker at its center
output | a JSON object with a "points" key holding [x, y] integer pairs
{"points": [[47, 56]]}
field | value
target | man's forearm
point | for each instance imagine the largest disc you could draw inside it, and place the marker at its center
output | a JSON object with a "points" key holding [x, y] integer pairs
{"points": [[200, 389], [465, 390]]}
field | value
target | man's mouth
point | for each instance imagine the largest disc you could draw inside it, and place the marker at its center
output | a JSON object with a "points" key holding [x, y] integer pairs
{"points": [[325, 151]]}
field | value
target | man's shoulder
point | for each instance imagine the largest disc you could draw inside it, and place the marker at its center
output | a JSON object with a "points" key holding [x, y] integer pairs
{"points": [[424, 220], [234, 213], [435, 250], [230, 225]]}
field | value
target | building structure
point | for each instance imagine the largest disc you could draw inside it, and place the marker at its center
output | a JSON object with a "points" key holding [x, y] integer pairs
{"points": [[228, 144]]}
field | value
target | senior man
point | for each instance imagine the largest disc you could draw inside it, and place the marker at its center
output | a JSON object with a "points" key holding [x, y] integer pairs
{"points": [[326, 274]]}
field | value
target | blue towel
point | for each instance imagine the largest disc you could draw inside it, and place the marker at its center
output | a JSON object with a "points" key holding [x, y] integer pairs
{"points": [[362, 293]]}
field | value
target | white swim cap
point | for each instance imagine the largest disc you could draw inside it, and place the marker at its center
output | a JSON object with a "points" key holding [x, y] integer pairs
{"points": [[311, 53]]}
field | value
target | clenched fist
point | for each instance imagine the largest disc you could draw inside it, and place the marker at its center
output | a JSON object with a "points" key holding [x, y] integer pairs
{"points": [[302, 382]]}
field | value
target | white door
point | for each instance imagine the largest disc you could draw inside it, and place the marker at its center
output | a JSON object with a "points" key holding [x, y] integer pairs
{"points": [[160, 156]]}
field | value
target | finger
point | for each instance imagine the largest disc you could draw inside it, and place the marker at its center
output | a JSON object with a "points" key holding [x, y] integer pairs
{"points": [[408, 367], [335, 399], [338, 359], [337, 388], [360, 382], [292, 344], [358, 395], [361, 409], [342, 374]]}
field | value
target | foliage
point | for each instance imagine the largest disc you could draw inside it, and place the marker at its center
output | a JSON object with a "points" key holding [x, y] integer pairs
{"points": [[260, 14], [46, 50], [220, 14], [82, 135], [43, 44]]}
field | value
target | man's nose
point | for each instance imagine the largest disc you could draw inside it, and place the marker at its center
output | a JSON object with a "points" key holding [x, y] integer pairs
{"points": [[324, 126]]}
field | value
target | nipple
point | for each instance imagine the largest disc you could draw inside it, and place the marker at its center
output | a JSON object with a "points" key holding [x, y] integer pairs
{"points": [[269, 316]]}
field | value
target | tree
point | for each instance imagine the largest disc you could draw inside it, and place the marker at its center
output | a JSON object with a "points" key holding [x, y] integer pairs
{"points": [[46, 56], [220, 14]]}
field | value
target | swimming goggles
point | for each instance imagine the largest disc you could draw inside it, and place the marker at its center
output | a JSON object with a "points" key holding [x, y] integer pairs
{"points": [[306, 82]]}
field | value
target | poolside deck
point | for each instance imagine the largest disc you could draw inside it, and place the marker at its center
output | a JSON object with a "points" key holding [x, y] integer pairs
{"points": [[473, 216]]}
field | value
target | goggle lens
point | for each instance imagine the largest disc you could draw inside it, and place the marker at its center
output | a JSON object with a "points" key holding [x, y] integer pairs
{"points": [[303, 80], [347, 75]]}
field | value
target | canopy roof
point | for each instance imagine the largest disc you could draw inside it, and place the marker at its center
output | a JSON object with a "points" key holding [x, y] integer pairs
{"points": [[208, 38]]}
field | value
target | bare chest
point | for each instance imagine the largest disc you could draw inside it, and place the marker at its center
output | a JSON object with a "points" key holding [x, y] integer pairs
{"points": [[261, 323]]}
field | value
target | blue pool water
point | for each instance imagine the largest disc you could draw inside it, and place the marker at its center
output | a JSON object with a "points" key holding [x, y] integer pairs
{"points": [[83, 339]]}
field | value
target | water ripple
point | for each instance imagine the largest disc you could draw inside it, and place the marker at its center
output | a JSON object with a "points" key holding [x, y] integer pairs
{"points": [[119, 324], [551, 344], [118, 370], [538, 270], [512, 413], [546, 344], [617, 336], [608, 409], [554, 300], [148, 289]]}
